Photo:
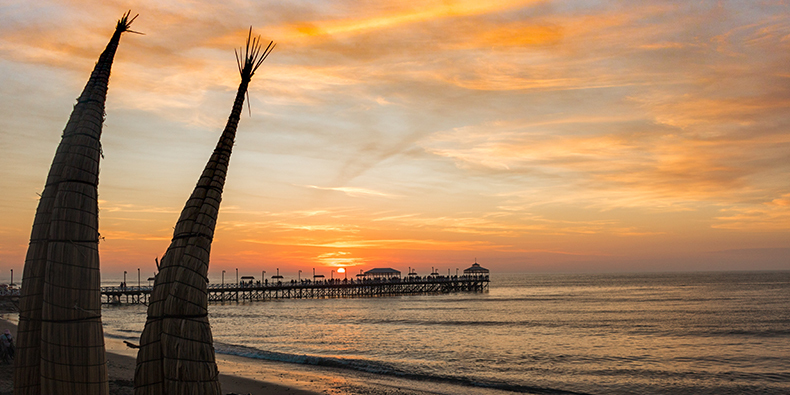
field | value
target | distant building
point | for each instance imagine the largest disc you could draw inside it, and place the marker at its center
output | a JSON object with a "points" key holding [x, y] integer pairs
{"points": [[382, 273], [476, 271]]}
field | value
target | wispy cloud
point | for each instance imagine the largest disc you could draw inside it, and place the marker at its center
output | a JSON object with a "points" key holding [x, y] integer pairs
{"points": [[352, 191], [125, 235], [767, 217], [115, 207], [406, 244], [341, 258]]}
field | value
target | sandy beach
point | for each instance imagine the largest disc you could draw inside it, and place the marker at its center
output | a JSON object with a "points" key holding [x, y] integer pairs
{"points": [[121, 363]]}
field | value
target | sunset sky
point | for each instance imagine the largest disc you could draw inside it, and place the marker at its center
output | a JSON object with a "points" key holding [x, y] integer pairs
{"points": [[533, 136]]}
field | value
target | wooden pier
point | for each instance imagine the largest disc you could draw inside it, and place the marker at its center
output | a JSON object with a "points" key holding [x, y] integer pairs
{"points": [[243, 292]]}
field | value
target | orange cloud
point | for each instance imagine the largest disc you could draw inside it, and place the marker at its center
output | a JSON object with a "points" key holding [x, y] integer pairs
{"points": [[768, 217], [352, 191], [406, 13]]}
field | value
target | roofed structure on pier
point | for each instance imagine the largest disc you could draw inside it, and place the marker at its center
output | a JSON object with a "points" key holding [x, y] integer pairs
{"points": [[382, 273], [476, 270]]}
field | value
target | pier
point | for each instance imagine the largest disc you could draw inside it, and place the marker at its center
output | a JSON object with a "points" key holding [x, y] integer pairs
{"points": [[308, 289]]}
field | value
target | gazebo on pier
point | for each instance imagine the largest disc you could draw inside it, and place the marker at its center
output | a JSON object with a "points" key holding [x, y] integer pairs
{"points": [[476, 271]]}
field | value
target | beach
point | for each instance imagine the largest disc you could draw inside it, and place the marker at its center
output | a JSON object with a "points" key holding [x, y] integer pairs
{"points": [[121, 363]]}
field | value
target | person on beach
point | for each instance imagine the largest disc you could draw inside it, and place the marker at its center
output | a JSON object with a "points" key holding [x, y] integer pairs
{"points": [[7, 343], [4, 354]]}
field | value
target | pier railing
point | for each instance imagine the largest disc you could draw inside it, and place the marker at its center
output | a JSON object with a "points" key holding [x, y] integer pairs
{"points": [[308, 289]]}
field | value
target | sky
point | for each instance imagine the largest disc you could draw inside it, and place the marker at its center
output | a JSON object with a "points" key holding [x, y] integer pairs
{"points": [[529, 136]]}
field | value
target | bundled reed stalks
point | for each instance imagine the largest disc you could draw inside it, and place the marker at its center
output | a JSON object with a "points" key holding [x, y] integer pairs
{"points": [[60, 343], [176, 353]]}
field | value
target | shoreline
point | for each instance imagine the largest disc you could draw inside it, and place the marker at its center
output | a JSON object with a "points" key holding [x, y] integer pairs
{"points": [[243, 375], [121, 362]]}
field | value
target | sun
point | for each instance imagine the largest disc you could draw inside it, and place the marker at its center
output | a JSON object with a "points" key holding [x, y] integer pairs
{"points": [[341, 270]]}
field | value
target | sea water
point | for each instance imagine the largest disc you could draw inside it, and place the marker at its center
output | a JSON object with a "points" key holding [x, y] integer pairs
{"points": [[681, 333]]}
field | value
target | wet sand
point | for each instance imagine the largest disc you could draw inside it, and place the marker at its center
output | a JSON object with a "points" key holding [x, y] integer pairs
{"points": [[121, 363]]}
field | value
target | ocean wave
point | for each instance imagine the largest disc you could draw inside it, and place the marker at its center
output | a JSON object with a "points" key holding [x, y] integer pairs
{"points": [[133, 335], [380, 368], [741, 333]]}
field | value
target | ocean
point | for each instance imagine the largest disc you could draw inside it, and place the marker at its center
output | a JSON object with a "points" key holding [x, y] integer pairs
{"points": [[662, 333]]}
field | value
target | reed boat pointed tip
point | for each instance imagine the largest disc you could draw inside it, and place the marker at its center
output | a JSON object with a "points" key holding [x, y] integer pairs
{"points": [[252, 55], [126, 22]]}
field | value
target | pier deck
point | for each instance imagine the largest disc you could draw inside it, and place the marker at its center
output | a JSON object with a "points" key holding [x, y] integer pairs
{"points": [[313, 289]]}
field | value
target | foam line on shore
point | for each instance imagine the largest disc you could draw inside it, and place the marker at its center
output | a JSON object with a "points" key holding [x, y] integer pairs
{"points": [[379, 368]]}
